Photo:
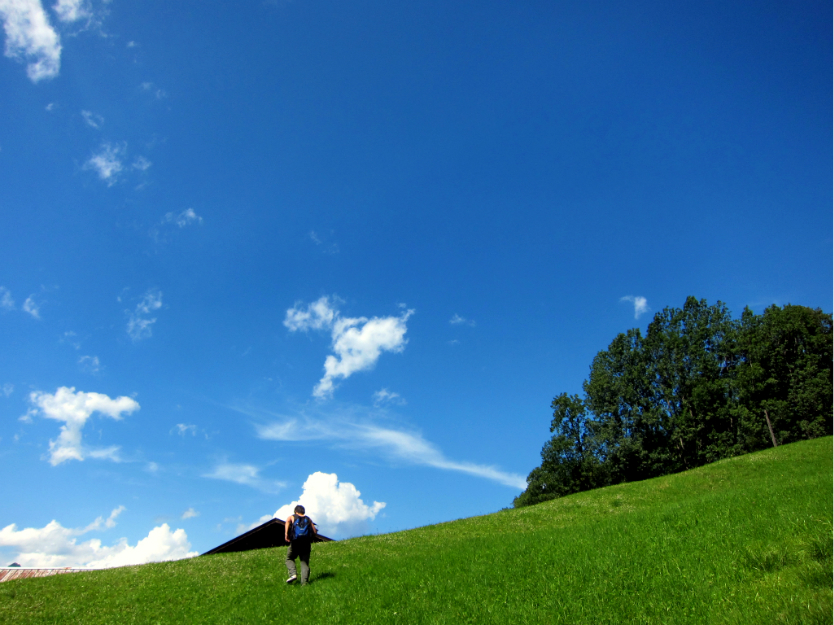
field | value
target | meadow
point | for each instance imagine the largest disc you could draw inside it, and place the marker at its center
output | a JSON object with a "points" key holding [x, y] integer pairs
{"points": [[744, 540]]}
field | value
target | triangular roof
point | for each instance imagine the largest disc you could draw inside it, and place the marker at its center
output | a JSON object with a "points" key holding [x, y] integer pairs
{"points": [[270, 534]]}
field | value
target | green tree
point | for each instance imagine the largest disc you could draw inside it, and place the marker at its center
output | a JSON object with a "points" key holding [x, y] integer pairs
{"points": [[785, 375], [568, 461]]}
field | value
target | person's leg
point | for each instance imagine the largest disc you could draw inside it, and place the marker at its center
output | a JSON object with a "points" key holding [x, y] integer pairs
{"points": [[304, 556], [291, 556]]}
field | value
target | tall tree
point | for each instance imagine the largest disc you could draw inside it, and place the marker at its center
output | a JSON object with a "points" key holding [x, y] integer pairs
{"points": [[698, 387]]}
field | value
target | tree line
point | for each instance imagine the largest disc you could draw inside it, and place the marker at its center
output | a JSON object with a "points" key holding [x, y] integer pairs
{"points": [[698, 387]]}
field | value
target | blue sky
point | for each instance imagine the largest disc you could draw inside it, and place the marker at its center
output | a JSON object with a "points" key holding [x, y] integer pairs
{"points": [[347, 253]]}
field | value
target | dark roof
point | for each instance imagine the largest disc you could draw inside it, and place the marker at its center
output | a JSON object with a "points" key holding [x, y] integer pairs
{"points": [[270, 534]]}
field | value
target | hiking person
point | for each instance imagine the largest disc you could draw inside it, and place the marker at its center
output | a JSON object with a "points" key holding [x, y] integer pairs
{"points": [[299, 531]]}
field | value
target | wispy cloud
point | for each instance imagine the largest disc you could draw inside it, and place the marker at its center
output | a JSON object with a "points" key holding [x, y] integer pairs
{"points": [[7, 389], [246, 474], [357, 342], [182, 429], [140, 163], [640, 303], [384, 396], [30, 38], [93, 120], [457, 320], [326, 248], [6, 301], [73, 409], [189, 514], [72, 10], [397, 445], [107, 162], [90, 364], [151, 88], [183, 219], [31, 307], [140, 323]]}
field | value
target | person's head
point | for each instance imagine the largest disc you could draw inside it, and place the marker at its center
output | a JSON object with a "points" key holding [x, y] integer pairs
{"points": [[299, 510]]}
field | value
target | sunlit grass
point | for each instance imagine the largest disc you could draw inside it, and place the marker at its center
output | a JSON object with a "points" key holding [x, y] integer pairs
{"points": [[746, 540]]}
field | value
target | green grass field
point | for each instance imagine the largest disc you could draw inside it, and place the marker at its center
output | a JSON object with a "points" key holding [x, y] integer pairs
{"points": [[746, 540]]}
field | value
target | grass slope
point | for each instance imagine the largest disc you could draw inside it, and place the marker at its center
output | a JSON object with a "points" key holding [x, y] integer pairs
{"points": [[746, 540]]}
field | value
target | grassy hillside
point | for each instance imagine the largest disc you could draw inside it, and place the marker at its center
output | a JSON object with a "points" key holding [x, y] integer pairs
{"points": [[747, 540]]}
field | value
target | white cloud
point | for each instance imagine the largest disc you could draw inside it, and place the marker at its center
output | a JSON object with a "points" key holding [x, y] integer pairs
{"points": [[6, 301], [182, 429], [108, 162], [189, 514], [245, 474], [93, 120], [457, 320], [74, 409], [384, 396], [398, 445], [139, 323], [56, 546], [336, 507], [185, 218], [358, 342], [332, 248], [31, 38], [152, 88], [32, 307], [641, 305], [140, 163], [90, 364], [71, 10], [7, 389]]}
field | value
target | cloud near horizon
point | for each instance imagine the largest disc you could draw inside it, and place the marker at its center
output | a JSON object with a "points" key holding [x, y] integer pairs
{"points": [[357, 342], [56, 546]]}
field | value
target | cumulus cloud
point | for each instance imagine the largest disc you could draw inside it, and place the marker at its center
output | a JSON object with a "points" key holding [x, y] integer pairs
{"points": [[107, 163], [56, 546], [336, 507], [30, 38], [357, 342], [71, 10], [384, 396], [246, 474], [93, 120], [140, 323], [73, 409], [189, 514], [398, 445], [31, 307], [641, 305], [6, 301]]}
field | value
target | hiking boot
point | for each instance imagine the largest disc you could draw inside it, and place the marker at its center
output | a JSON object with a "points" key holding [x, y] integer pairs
{"points": [[291, 579]]}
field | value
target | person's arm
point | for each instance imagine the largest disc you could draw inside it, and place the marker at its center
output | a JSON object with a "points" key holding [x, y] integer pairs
{"points": [[287, 525], [315, 530]]}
